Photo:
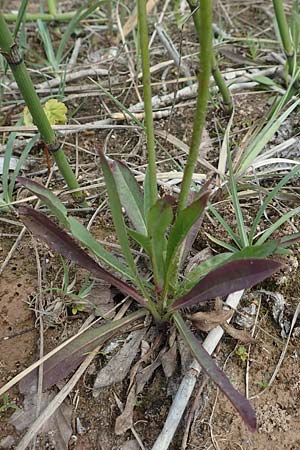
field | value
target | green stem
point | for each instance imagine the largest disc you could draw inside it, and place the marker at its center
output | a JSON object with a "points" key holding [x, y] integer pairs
{"points": [[220, 82], [31, 99], [64, 17], [205, 56], [285, 34], [144, 45]]}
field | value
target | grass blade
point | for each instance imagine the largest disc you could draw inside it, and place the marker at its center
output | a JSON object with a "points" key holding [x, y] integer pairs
{"points": [[236, 205], [20, 163], [263, 138], [269, 198], [81, 14], [241, 404], [222, 243], [225, 225], [48, 47], [267, 233]]}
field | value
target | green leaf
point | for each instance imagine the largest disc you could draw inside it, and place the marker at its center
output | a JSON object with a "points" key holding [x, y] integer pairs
{"points": [[118, 219], [183, 223], [142, 240], [269, 231], [159, 218], [221, 243], [241, 404], [264, 80], [195, 275], [56, 111], [130, 194], [84, 236], [225, 225], [46, 196]]}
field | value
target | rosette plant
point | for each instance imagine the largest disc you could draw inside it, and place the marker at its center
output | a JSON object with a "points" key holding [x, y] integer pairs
{"points": [[164, 227]]}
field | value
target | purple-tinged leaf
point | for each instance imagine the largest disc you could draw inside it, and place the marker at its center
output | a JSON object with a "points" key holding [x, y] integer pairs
{"points": [[193, 232], [61, 364], [241, 404], [61, 242], [76, 228], [230, 277]]}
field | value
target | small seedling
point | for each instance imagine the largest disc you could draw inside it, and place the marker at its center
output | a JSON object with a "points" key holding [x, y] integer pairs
{"points": [[7, 404], [263, 384], [241, 352]]}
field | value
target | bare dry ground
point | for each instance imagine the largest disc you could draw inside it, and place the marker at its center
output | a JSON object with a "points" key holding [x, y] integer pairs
{"points": [[32, 268]]}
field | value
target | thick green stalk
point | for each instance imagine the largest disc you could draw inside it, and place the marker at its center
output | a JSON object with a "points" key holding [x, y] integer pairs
{"points": [[205, 56], [285, 34], [144, 45], [220, 82], [23, 80]]}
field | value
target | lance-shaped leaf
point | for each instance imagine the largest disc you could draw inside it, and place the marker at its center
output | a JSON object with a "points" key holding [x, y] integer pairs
{"points": [[194, 230], [61, 364], [130, 194], [183, 223], [179, 231], [118, 219], [160, 216], [241, 404], [231, 277], [59, 241], [74, 226], [257, 251]]}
